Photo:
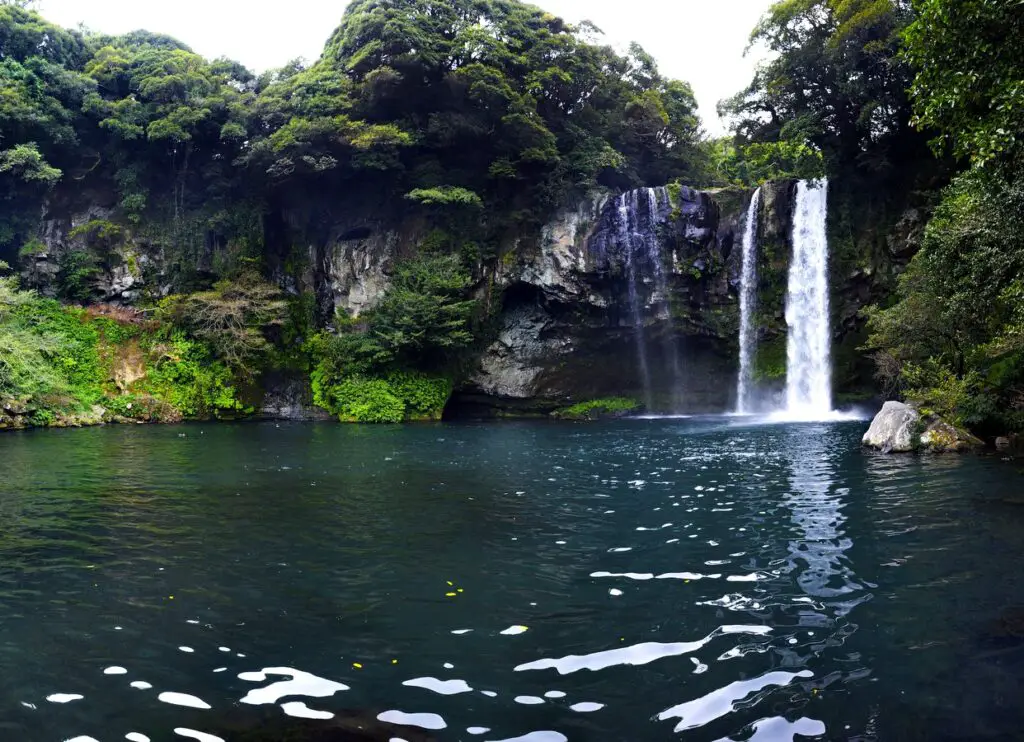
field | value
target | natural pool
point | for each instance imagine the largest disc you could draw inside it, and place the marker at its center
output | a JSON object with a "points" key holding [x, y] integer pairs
{"points": [[697, 579]]}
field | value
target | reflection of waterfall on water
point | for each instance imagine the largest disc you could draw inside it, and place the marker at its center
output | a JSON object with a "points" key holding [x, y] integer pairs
{"points": [[808, 362], [631, 231], [748, 306], [818, 554]]}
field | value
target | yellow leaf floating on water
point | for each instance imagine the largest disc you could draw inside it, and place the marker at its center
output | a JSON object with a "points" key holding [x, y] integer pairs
{"points": [[451, 595], [450, 583], [460, 589], [394, 662], [357, 665]]}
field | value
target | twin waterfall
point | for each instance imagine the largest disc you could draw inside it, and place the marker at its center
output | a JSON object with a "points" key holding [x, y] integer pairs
{"points": [[808, 394], [628, 241]]}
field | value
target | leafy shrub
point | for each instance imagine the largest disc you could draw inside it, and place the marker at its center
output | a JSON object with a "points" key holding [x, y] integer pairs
{"points": [[424, 396], [365, 400], [77, 271], [446, 196], [356, 395], [960, 400], [142, 407], [233, 319], [596, 408], [186, 375]]}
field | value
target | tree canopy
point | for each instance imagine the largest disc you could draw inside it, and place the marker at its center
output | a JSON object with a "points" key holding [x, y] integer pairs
{"points": [[835, 81], [970, 75], [486, 105]]}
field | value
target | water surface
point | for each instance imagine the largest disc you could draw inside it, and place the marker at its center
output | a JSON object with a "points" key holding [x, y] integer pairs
{"points": [[695, 579]]}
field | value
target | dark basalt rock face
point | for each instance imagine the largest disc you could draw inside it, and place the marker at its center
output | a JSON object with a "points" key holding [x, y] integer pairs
{"points": [[568, 325]]}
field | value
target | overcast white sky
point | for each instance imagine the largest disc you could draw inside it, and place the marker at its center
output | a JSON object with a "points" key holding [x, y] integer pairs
{"points": [[701, 41]]}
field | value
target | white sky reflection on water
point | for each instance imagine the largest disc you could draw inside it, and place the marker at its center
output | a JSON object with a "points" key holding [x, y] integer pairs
{"points": [[301, 684], [424, 721], [197, 735], [183, 699], [301, 711], [443, 687], [722, 701], [637, 654], [64, 697]]}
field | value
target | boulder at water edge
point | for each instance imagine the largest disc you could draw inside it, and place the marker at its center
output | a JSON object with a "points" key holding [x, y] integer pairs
{"points": [[893, 428], [898, 428]]}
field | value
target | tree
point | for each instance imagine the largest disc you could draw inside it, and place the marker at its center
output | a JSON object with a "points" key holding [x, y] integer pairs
{"points": [[969, 85], [234, 319], [493, 97], [957, 317], [836, 83]]}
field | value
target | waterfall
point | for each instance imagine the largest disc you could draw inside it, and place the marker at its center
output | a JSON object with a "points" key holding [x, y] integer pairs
{"points": [[629, 232], [808, 362], [659, 204], [627, 221], [748, 306]]}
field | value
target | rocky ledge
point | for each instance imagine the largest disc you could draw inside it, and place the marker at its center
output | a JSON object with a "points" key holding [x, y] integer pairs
{"points": [[901, 428]]}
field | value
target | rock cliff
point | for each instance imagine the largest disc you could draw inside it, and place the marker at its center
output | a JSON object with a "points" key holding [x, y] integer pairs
{"points": [[631, 294]]}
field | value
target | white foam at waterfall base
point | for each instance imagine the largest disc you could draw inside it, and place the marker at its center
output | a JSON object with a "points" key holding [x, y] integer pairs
{"points": [[809, 337]]}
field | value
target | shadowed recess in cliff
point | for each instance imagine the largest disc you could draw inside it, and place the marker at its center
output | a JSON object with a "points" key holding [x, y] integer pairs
{"points": [[628, 243]]}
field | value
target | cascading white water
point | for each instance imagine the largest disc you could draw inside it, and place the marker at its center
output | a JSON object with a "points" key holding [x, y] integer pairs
{"points": [[630, 232], [628, 235], [748, 306], [659, 204], [808, 345]]}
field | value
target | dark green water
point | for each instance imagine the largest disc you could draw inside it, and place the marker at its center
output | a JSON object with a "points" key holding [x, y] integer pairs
{"points": [[687, 579]]}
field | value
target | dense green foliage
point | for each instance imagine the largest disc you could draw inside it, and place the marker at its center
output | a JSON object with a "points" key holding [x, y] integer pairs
{"points": [[598, 408], [458, 105], [970, 75], [234, 317], [835, 83], [953, 338], [61, 365]]}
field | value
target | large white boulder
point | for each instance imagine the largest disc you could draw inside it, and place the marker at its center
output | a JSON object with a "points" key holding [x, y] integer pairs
{"points": [[893, 428]]}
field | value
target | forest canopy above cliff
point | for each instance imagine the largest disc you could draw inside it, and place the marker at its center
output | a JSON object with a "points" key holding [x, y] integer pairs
{"points": [[487, 114]]}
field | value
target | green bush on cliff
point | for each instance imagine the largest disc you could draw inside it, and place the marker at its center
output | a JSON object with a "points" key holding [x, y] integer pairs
{"points": [[363, 400], [596, 408], [26, 371], [57, 361], [234, 319], [393, 396], [185, 373]]}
